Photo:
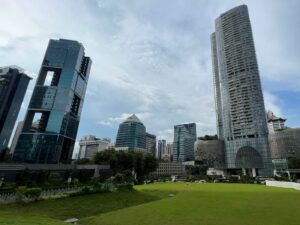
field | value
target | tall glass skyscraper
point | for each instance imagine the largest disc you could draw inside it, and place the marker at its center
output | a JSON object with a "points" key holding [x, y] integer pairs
{"points": [[185, 136], [52, 119], [131, 135], [13, 86], [240, 110]]}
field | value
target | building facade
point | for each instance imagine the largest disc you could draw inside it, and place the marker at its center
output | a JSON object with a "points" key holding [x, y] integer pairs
{"points": [[161, 148], [210, 154], [90, 145], [53, 115], [240, 110], [151, 144], [285, 144], [167, 169], [275, 123], [131, 135], [16, 137], [168, 154], [185, 136], [13, 86]]}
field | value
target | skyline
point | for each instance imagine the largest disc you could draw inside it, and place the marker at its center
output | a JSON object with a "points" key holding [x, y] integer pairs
{"points": [[125, 42]]}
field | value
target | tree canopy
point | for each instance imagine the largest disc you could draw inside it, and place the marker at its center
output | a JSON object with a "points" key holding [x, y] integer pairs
{"points": [[120, 161]]}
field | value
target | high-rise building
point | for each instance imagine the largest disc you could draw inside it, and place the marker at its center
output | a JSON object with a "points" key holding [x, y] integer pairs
{"points": [[185, 136], [151, 144], [16, 137], [90, 145], [53, 115], [13, 86], [168, 154], [240, 109], [131, 135], [161, 148]]}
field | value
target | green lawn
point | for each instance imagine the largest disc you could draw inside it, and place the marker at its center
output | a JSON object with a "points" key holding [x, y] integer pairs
{"points": [[210, 204], [52, 212], [192, 204]]}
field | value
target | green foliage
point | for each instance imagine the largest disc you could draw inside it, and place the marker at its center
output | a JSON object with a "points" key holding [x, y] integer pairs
{"points": [[23, 193], [82, 161], [121, 161], [294, 163], [54, 178], [208, 137], [195, 170], [33, 193], [5, 155]]}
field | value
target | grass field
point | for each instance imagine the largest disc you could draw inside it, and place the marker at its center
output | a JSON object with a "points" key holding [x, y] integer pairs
{"points": [[192, 204]]}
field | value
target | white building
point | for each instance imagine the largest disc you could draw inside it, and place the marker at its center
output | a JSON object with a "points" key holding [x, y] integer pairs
{"points": [[275, 123], [90, 145]]}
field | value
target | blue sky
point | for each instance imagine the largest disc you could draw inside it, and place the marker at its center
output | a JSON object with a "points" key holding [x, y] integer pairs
{"points": [[152, 57]]}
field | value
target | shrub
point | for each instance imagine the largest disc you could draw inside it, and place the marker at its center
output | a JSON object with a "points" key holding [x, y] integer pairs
{"points": [[33, 193], [20, 197], [54, 178]]}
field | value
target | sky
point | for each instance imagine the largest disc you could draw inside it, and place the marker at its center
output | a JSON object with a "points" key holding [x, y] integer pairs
{"points": [[153, 57]]}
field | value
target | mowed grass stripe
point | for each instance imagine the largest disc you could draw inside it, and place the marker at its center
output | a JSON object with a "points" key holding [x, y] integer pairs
{"points": [[210, 204]]}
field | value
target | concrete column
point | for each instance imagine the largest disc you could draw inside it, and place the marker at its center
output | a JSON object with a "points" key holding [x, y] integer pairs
{"points": [[244, 171], [253, 172]]}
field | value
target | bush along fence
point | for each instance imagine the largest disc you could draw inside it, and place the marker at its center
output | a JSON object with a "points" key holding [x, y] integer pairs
{"points": [[24, 194]]}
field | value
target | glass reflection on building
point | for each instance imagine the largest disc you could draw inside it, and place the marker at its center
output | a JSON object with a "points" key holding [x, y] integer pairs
{"points": [[53, 115]]}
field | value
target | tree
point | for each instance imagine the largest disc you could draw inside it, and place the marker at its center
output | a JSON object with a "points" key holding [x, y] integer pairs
{"points": [[54, 178], [82, 161], [120, 161], [294, 163], [209, 137], [5, 155]]}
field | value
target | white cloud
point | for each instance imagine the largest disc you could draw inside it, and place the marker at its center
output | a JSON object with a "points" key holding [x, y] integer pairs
{"points": [[151, 58]]}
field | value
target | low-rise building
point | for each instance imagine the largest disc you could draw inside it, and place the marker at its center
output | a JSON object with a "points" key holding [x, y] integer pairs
{"points": [[166, 169], [90, 145]]}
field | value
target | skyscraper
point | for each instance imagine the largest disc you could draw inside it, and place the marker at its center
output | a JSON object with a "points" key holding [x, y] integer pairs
{"points": [[151, 144], [241, 119], [183, 146], [13, 86], [131, 135], [161, 148], [53, 115]]}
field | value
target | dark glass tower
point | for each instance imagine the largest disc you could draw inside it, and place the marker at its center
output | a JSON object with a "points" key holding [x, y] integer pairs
{"points": [[185, 136], [13, 86], [51, 123], [131, 135]]}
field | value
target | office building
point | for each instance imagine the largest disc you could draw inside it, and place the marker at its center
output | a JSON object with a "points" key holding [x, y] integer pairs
{"points": [[90, 145], [210, 154], [151, 144], [53, 115], [131, 135], [167, 169], [168, 154], [183, 146], [240, 110], [161, 148], [285, 144], [275, 123], [16, 137], [13, 86]]}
